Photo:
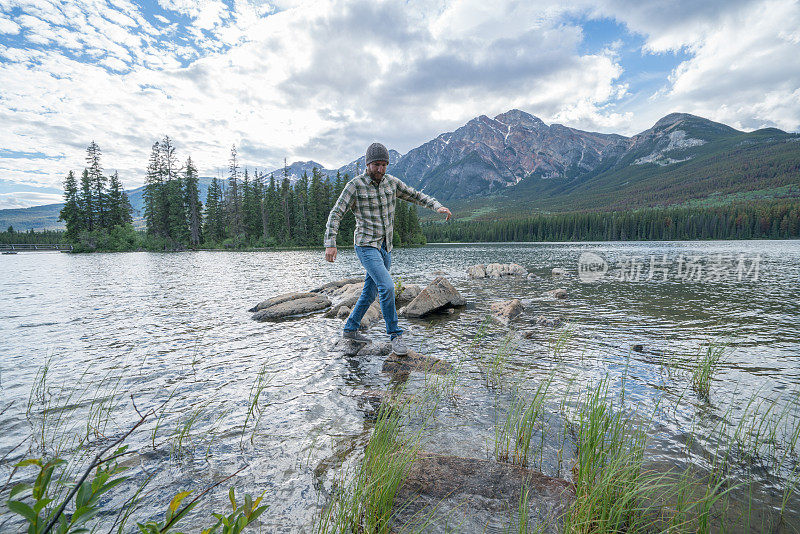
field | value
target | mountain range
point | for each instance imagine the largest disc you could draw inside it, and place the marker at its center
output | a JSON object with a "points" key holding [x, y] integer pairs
{"points": [[515, 164]]}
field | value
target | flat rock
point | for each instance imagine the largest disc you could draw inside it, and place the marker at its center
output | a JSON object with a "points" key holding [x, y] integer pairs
{"points": [[558, 271], [437, 294], [552, 322], [478, 495], [336, 284], [350, 348], [504, 312], [415, 361], [298, 304], [559, 293], [280, 299]]}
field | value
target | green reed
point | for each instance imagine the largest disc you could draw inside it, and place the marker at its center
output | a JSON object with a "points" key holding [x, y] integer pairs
{"points": [[705, 366], [366, 497]]}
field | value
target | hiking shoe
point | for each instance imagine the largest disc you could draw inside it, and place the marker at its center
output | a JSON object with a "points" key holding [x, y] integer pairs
{"points": [[399, 347], [354, 336]]}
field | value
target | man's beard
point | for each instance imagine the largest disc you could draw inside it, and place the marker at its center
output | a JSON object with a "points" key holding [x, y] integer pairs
{"points": [[377, 176]]}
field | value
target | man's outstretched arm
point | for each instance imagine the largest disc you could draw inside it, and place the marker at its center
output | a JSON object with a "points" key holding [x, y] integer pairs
{"points": [[343, 203], [410, 194]]}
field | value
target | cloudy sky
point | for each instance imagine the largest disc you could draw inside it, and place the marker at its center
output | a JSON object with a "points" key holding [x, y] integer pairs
{"points": [[322, 79]]}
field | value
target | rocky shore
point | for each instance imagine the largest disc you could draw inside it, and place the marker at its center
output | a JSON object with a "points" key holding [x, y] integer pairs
{"points": [[471, 488]]}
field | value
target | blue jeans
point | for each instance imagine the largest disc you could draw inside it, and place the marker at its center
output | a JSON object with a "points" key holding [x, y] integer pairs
{"points": [[378, 282]]}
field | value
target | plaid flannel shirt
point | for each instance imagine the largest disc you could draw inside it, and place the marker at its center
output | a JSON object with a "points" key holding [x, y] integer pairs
{"points": [[373, 206]]}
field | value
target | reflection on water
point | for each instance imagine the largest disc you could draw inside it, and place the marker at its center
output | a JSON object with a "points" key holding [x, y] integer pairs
{"points": [[173, 329]]}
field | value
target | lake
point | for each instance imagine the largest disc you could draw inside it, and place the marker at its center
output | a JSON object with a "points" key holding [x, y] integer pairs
{"points": [[82, 335]]}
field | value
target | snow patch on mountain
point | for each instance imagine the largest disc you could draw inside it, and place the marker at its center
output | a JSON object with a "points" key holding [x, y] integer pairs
{"points": [[677, 141]]}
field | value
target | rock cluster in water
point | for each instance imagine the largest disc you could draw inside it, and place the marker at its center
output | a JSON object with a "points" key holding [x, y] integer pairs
{"points": [[474, 490], [496, 270], [339, 297]]}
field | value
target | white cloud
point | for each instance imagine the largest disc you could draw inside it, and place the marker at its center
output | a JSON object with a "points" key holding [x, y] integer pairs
{"points": [[8, 27], [319, 80]]}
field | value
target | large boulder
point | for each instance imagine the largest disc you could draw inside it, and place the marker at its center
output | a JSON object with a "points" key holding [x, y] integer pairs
{"points": [[504, 312], [438, 294], [289, 305], [558, 271], [478, 495]]}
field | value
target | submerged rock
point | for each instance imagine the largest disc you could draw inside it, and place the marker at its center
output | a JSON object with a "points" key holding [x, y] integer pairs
{"points": [[438, 294], [288, 305], [415, 361], [559, 293], [476, 494], [504, 312], [541, 320]]}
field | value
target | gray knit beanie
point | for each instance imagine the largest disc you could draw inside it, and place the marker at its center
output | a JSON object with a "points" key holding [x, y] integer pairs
{"points": [[377, 152]]}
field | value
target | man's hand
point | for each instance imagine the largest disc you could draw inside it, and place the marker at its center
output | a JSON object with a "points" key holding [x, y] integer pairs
{"points": [[446, 211], [330, 253]]}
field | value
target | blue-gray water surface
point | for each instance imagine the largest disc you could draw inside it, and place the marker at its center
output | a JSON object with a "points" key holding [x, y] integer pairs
{"points": [[171, 331]]}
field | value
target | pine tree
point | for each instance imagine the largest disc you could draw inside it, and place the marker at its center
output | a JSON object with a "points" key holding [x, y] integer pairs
{"points": [[234, 197], [98, 185], [215, 213], [301, 210], [86, 201], [272, 202], [119, 207], [287, 204], [173, 216], [193, 206], [71, 212], [250, 207], [153, 199]]}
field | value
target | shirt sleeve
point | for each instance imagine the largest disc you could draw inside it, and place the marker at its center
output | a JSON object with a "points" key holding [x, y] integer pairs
{"points": [[417, 197], [343, 203]]}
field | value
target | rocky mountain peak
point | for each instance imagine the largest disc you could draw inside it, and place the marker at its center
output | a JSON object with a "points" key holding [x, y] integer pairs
{"points": [[674, 118], [515, 117]]}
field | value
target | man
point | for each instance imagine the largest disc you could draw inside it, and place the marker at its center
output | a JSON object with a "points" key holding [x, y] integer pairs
{"points": [[372, 196]]}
